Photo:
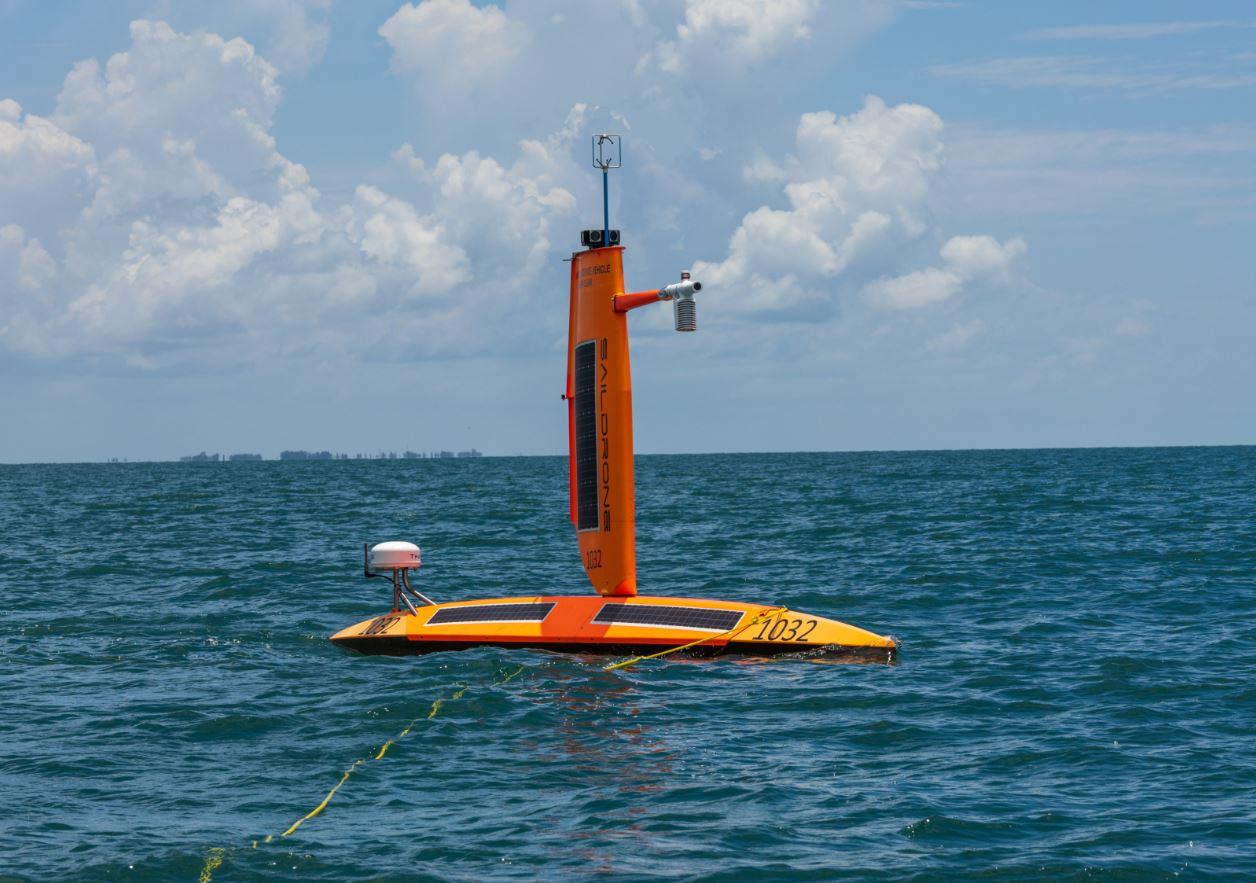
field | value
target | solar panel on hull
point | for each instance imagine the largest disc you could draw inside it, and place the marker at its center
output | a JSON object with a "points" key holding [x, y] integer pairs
{"points": [[662, 615], [586, 437], [492, 613]]}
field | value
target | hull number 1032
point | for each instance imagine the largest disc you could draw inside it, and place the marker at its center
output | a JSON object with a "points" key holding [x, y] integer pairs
{"points": [[785, 629]]}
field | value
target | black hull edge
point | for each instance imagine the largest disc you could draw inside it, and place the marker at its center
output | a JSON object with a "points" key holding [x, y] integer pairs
{"points": [[402, 646]]}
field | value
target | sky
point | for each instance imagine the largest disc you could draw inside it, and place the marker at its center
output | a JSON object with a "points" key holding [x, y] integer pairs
{"points": [[265, 224]]}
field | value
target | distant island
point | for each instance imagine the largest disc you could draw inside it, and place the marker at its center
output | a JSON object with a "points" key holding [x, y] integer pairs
{"points": [[204, 457], [382, 455]]}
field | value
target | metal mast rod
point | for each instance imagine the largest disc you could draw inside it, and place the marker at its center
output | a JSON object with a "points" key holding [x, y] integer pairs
{"points": [[606, 156]]}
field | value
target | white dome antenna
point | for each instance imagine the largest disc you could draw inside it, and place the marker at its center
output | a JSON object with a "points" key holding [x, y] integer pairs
{"points": [[395, 559]]}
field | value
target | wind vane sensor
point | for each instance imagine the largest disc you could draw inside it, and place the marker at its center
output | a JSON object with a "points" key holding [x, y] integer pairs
{"points": [[607, 154]]}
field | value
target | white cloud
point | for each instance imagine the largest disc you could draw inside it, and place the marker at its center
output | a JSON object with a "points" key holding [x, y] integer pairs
{"points": [[37, 147], [45, 171], [955, 338], [734, 39], [857, 190], [975, 256], [187, 234], [26, 272], [190, 84], [291, 34], [177, 119], [29, 266], [390, 230], [880, 154], [503, 213], [191, 236], [538, 59], [915, 289], [762, 169], [965, 259], [451, 45], [746, 30], [300, 30]]}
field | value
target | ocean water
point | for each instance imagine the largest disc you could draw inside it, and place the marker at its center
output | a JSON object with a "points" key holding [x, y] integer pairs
{"points": [[1076, 696]]}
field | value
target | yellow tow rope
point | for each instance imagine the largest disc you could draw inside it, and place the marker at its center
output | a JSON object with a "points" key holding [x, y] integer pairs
{"points": [[730, 634], [216, 855]]}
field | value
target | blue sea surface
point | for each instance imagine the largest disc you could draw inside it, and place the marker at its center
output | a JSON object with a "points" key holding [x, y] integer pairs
{"points": [[1076, 697]]}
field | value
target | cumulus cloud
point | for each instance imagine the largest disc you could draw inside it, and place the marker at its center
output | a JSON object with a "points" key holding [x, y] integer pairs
{"points": [[291, 34], [26, 273], [28, 265], [852, 186], [974, 256], [517, 62], [450, 44], [965, 258], [856, 190], [915, 289], [183, 81], [746, 30], [179, 119], [737, 37], [392, 232], [37, 147], [503, 213], [762, 169], [300, 31], [45, 172], [508, 207], [186, 230]]}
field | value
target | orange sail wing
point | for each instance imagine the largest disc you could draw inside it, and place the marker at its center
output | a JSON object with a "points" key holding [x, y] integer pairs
{"points": [[599, 391]]}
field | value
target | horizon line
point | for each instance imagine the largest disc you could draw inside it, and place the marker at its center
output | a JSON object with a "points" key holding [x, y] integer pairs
{"points": [[483, 456]]}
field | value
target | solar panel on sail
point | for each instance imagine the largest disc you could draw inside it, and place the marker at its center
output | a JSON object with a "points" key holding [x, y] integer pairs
{"points": [[586, 437]]}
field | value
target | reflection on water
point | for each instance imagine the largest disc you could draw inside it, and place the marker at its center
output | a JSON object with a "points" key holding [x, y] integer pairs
{"points": [[608, 752]]}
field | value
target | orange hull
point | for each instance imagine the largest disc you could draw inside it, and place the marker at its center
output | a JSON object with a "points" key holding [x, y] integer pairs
{"points": [[577, 624]]}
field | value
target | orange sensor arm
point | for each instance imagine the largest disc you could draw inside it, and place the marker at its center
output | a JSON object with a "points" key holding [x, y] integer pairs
{"points": [[626, 302]]}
